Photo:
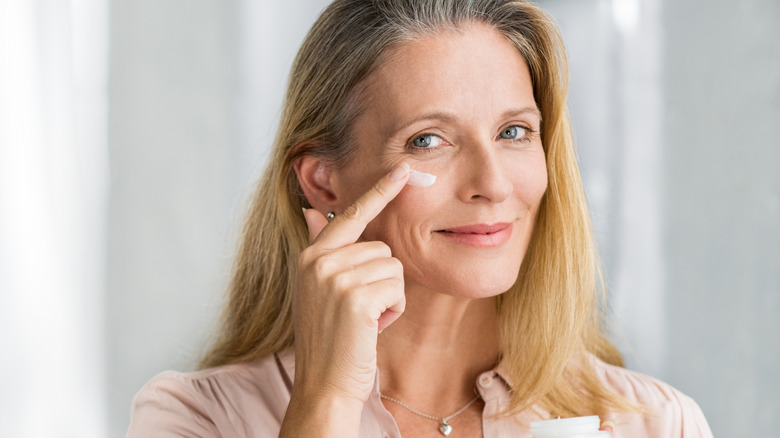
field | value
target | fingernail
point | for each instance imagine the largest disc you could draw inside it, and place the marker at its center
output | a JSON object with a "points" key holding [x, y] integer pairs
{"points": [[608, 424], [399, 172], [303, 209], [420, 179]]}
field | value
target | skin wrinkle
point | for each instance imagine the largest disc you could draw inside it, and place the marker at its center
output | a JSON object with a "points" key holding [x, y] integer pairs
{"points": [[420, 236]]}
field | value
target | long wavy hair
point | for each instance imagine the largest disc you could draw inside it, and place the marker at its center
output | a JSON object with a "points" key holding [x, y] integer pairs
{"points": [[550, 321]]}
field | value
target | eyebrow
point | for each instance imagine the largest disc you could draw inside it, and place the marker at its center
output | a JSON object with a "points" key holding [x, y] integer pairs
{"points": [[450, 118], [533, 110]]}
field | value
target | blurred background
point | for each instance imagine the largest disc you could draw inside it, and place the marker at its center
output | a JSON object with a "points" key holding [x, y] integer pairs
{"points": [[132, 131]]}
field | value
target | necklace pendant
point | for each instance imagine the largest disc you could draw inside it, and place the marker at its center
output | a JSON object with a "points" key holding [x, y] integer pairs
{"points": [[445, 428]]}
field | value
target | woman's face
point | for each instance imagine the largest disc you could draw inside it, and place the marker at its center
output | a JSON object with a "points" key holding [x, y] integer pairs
{"points": [[459, 106]]}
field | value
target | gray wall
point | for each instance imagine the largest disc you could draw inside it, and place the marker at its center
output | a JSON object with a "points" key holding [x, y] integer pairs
{"points": [[677, 118], [722, 209], [173, 191]]}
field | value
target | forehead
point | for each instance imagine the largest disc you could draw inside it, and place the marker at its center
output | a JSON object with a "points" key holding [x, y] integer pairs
{"points": [[474, 73]]}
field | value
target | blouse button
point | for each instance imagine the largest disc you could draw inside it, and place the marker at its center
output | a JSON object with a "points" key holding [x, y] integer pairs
{"points": [[485, 380]]}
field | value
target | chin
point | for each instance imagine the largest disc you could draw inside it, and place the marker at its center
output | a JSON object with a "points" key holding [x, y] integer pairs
{"points": [[493, 289], [469, 275], [479, 286]]}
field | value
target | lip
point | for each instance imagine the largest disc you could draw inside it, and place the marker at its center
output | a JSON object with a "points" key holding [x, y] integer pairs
{"points": [[479, 235]]}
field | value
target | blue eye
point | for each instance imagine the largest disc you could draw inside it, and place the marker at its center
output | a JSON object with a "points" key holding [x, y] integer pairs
{"points": [[426, 141], [513, 133]]}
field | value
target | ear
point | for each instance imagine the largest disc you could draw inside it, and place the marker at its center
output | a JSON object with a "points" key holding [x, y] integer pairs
{"points": [[314, 176]]}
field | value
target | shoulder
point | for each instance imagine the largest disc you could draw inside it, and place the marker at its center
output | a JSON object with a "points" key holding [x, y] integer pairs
{"points": [[668, 412], [638, 387], [227, 400]]}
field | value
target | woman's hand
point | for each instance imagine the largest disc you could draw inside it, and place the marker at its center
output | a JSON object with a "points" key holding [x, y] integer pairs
{"points": [[347, 292]]}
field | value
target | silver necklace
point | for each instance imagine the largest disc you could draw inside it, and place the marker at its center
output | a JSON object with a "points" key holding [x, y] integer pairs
{"points": [[445, 428]]}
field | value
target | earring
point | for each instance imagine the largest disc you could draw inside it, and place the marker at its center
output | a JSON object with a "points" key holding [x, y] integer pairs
{"points": [[330, 215]]}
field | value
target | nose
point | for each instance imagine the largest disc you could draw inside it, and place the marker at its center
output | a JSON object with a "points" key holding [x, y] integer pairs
{"points": [[484, 175]]}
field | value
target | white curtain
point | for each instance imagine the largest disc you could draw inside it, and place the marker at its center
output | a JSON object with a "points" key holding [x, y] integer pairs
{"points": [[53, 181]]}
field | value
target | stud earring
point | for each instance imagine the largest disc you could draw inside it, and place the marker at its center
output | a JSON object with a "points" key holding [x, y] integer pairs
{"points": [[330, 215]]}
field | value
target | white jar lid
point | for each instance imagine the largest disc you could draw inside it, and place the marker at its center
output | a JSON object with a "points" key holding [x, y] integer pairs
{"points": [[576, 427]]}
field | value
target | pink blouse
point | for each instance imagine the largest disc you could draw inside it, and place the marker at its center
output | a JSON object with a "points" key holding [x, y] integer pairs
{"points": [[250, 399]]}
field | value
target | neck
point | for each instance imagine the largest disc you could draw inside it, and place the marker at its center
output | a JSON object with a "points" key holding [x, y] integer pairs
{"points": [[432, 355]]}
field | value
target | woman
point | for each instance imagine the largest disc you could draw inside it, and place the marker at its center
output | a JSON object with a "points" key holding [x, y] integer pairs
{"points": [[441, 277]]}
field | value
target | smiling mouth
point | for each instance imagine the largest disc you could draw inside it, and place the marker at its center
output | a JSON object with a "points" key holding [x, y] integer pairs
{"points": [[478, 229], [479, 235]]}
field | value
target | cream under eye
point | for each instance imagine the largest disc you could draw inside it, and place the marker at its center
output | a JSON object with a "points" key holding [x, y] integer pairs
{"points": [[426, 141]]}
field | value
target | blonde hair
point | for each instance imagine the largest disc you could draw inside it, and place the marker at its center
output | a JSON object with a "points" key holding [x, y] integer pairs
{"points": [[549, 319]]}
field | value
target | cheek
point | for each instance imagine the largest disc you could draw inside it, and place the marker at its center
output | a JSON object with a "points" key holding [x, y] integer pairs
{"points": [[530, 181], [406, 212], [405, 223]]}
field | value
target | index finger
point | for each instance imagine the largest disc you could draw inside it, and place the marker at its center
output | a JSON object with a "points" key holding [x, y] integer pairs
{"points": [[347, 227]]}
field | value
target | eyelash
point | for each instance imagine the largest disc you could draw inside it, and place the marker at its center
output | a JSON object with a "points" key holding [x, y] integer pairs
{"points": [[418, 149]]}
